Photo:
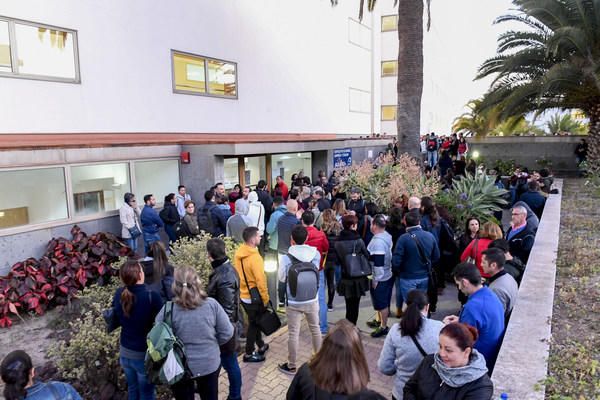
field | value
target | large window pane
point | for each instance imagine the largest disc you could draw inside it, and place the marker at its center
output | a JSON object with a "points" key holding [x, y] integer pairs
{"points": [[5, 62], [389, 23], [389, 68], [286, 165], [221, 78], [188, 72], [156, 177], [32, 196], [230, 173], [360, 100], [45, 51], [99, 188], [255, 169], [359, 34], [388, 113]]}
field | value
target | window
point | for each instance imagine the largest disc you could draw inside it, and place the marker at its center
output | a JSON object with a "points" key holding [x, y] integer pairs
{"points": [[255, 169], [99, 188], [359, 34], [389, 23], [39, 51], [39, 196], [360, 100], [159, 178], [193, 74], [388, 113], [389, 68], [286, 165], [230, 173]]}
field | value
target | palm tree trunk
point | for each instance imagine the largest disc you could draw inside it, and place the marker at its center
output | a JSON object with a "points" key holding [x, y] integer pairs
{"points": [[593, 155], [410, 75]]}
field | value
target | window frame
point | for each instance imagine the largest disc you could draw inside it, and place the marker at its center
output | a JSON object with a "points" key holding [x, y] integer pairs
{"points": [[350, 89], [395, 25], [71, 217], [359, 45], [383, 75], [395, 112], [14, 52], [206, 80]]}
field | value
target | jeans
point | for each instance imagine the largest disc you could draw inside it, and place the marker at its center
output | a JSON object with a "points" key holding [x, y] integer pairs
{"points": [[281, 286], [294, 315], [234, 374], [399, 299], [150, 238], [406, 285], [138, 387], [432, 157], [207, 386], [322, 303], [330, 275], [352, 306], [132, 244], [170, 229], [253, 335]]}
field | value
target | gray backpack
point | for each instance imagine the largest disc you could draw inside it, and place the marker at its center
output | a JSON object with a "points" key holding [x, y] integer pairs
{"points": [[302, 279]]}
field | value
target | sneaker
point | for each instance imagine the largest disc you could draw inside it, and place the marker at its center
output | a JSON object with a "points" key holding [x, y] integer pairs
{"points": [[329, 308], [373, 323], [286, 369], [398, 313], [254, 357], [263, 349], [379, 332], [280, 305]]}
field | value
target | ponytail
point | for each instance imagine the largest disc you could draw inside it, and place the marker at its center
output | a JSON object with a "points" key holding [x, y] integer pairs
{"points": [[412, 320], [130, 274], [15, 370]]}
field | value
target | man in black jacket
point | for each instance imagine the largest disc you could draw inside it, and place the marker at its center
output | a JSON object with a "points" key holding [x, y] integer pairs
{"points": [[265, 199], [520, 236], [224, 286]]}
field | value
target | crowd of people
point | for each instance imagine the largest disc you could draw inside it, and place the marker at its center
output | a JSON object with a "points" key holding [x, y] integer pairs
{"points": [[327, 243]]}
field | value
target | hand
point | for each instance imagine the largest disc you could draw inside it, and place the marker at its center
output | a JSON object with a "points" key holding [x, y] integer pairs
{"points": [[375, 284], [450, 319]]}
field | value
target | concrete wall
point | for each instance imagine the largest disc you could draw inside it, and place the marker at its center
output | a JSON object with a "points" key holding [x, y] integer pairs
{"points": [[290, 78], [523, 359], [526, 150]]}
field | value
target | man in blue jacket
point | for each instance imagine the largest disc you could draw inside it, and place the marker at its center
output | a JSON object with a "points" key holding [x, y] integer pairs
{"points": [[408, 261], [151, 222], [279, 209]]}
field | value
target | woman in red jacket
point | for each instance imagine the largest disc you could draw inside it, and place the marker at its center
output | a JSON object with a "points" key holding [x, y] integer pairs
{"points": [[488, 233]]}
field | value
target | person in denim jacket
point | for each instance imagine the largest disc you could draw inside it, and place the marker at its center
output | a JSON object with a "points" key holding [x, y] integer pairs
{"points": [[17, 374]]}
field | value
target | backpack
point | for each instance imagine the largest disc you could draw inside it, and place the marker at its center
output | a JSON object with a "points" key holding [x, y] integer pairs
{"points": [[432, 145], [165, 361], [205, 222], [181, 229], [303, 279]]}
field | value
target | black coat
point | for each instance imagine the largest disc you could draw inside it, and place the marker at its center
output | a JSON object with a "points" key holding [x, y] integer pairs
{"points": [[520, 244], [332, 259], [224, 286], [267, 202], [169, 214], [347, 242], [161, 285], [303, 388], [425, 384]]}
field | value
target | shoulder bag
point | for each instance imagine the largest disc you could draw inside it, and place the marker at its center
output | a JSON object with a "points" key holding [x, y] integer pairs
{"points": [[419, 347], [357, 265], [268, 321], [254, 292]]}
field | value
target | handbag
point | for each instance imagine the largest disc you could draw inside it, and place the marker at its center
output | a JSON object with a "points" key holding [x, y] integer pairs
{"points": [[268, 321], [254, 292], [134, 232], [473, 260], [357, 265]]}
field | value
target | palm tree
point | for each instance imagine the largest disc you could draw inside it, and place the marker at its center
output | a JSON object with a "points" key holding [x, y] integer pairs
{"points": [[565, 123], [410, 69], [555, 63]]}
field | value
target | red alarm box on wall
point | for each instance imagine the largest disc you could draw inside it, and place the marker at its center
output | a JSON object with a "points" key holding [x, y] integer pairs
{"points": [[185, 157]]}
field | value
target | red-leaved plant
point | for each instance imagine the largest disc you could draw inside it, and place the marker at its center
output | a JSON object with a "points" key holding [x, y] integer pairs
{"points": [[66, 267]]}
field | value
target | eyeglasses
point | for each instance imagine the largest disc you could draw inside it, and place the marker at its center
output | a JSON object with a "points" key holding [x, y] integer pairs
{"points": [[516, 213]]}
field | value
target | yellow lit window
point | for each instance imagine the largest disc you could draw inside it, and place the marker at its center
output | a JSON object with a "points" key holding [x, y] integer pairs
{"points": [[389, 68], [188, 72], [388, 113], [221, 78], [389, 23]]}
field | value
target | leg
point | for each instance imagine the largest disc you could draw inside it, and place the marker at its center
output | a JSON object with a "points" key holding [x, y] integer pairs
{"points": [[234, 374], [207, 386], [322, 303], [131, 378], [406, 285], [281, 287], [338, 274], [399, 299], [383, 315], [421, 284], [352, 304], [294, 316], [253, 331], [312, 318], [145, 388], [183, 390], [330, 275]]}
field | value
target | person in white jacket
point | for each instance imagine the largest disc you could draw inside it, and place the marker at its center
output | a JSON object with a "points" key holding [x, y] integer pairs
{"points": [[129, 215], [256, 212]]}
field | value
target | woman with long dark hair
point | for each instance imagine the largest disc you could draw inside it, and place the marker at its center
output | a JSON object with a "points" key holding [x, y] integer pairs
{"points": [[471, 233], [18, 376], [332, 228], [409, 341], [158, 272], [170, 216], [135, 307]]}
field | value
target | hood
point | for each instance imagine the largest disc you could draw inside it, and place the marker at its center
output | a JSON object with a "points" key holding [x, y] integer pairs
{"points": [[303, 252], [386, 237], [245, 251], [253, 197], [282, 208], [241, 207], [457, 377]]}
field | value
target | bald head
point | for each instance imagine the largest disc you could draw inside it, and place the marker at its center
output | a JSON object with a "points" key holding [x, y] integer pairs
{"points": [[414, 202], [292, 206]]}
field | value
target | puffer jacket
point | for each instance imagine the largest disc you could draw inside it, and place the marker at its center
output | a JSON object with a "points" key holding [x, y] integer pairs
{"points": [[224, 286]]}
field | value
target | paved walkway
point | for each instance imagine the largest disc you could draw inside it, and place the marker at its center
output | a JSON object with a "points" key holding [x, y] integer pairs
{"points": [[263, 381]]}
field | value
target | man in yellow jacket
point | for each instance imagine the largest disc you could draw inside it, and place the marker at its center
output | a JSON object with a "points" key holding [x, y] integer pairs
{"points": [[250, 267]]}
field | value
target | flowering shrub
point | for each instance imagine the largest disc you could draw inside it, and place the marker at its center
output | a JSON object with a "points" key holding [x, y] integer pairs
{"points": [[66, 267], [192, 253], [389, 180], [472, 196]]}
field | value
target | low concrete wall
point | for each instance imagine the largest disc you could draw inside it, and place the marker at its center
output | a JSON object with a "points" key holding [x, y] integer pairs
{"points": [[523, 359], [527, 150]]}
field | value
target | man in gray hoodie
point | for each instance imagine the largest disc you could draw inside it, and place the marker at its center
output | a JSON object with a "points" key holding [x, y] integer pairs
{"points": [[238, 222], [299, 271]]}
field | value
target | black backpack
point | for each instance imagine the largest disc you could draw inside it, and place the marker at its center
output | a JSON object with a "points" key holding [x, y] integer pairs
{"points": [[447, 243], [181, 229], [205, 222], [303, 279]]}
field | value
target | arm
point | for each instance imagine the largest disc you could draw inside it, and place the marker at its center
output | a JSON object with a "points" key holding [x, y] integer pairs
{"points": [[156, 219], [223, 327], [467, 251], [225, 296], [283, 269], [387, 357], [272, 225], [180, 208], [123, 218], [411, 388], [435, 252], [398, 255], [258, 270], [485, 390]]}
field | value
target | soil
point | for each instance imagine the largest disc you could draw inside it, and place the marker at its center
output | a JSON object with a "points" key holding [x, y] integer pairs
{"points": [[574, 364]]}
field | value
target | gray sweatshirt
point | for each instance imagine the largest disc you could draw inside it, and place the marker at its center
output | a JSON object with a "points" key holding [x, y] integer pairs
{"points": [[401, 357], [202, 330]]}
